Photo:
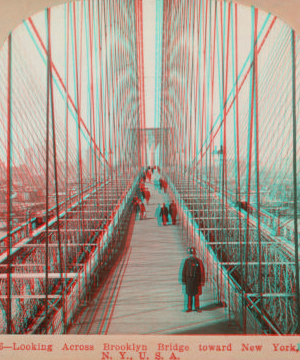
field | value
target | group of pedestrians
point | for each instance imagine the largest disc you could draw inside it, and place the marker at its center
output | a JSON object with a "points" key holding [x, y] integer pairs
{"points": [[148, 172], [193, 272], [143, 194], [139, 208], [163, 213]]}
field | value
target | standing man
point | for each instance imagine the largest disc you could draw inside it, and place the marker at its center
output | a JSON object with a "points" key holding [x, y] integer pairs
{"points": [[193, 276]]}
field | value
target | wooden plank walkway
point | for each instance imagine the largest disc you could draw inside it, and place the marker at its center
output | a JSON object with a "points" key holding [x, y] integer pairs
{"points": [[144, 294]]}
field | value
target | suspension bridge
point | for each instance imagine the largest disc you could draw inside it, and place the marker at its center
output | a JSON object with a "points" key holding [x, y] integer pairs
{"points": [[75, 145]]}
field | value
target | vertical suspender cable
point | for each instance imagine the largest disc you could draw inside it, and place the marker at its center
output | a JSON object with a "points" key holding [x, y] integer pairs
{"points": [[247, 253], [106, 115], [102, 122], [141, 50], [295, 180], [236, 128], [47, 174], [211, 155], [225, 193], [222, 136], [209, 85], [62, 280], [161, 58], [67, 38], [9, 184], [75, 76], [191, 38], [256, 144]]}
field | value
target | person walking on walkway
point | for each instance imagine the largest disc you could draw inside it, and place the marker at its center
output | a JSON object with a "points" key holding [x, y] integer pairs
{"points": [[156, 185], [169, 214], [165, 185], [164, 214], [157, 214], [136, 207], [149, 175], [160, 184], [193, 276], [143, 210], [147, 195], [173, 212]]}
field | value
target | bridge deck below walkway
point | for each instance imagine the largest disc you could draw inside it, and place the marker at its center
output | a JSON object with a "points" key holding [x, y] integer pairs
{"points": [[143, 293]]}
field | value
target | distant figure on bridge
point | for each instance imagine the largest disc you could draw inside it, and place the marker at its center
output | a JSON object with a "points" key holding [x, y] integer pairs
{"points": [[164, 214], [173, 212], [156, 185], [143, 194], [143, 210], [169, 214], [160, 184], [165, 185], [39, 222], [193, 276], [147, 195], [144, 176], [157, 215], [149, 175], [136, 207], [139, 194], [141, 184]]}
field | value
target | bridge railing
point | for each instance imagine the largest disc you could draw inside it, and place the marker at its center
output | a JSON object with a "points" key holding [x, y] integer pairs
{"points": [[241, 304], [26, 230], [98, 258]]}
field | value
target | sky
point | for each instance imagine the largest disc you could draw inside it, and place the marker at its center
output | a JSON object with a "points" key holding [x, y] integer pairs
{"points": [[29, 56]]}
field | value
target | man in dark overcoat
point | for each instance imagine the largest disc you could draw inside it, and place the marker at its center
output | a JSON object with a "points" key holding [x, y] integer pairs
{"points": [[193, 276]]}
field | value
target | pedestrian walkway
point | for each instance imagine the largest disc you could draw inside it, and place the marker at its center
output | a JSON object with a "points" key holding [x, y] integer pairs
{"points": [[147, 296]]}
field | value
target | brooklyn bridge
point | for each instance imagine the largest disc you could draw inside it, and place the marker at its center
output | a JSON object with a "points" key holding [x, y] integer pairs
{"points": [[100, 127]]}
